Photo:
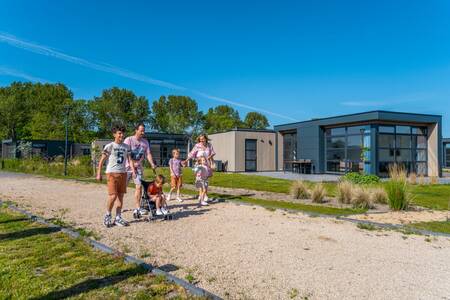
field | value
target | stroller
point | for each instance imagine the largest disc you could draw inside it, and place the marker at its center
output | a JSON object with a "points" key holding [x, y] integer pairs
{"points": [[148, 205]]}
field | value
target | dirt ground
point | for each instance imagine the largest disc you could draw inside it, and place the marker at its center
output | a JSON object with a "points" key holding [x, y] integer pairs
{"points": [[245, 252]]}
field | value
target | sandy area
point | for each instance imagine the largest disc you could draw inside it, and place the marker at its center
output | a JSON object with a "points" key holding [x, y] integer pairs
{"points": [[245, 252], [405, 217]]}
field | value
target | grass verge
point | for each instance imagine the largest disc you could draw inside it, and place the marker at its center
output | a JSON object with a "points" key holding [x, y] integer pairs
{"points": [[436, 226], [39, 262]]}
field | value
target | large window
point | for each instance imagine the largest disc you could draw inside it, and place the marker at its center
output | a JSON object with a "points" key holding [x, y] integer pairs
{"points": [[403, 145], [348, 149], [447, 155], [250, 155], [289, 149]]}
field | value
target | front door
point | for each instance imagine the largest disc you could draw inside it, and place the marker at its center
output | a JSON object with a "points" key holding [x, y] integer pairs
{"points": [[250, 155]]}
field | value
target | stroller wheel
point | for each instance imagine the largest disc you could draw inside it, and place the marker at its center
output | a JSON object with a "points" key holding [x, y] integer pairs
{"points": [[136, 215]]}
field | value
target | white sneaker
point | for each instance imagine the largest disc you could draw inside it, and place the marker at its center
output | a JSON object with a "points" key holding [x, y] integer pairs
{"points": [[179, 199], [159, 212], [204, 203], [206, 199], [165, 211]]}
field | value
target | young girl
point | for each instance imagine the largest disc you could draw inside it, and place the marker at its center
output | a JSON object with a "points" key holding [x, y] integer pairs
{"points": [[203, 148], [201, 179], [176, 173], [156, 195]]}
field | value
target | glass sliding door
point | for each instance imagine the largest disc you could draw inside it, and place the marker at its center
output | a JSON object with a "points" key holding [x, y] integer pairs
{"points": [[447, 155], [402, 145], [348, 149], [289, 150]]}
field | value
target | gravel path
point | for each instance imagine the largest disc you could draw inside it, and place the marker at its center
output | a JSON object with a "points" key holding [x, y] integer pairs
{"points": [[244, 252]]}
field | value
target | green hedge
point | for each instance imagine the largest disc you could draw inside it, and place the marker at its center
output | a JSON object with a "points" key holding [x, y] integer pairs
{"points": [[358, 178]]}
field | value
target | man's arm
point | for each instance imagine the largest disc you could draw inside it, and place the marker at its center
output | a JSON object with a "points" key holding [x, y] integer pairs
{"points": [[150, 157], [100, 166], [131, 164]]}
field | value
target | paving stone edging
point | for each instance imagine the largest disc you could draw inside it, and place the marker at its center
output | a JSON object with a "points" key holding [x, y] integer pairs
{"points": [[194, 290]]}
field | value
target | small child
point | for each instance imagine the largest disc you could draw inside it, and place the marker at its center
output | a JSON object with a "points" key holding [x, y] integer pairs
{"points": [[116, 173], [176, 174], [156, 195], [201, 179]]}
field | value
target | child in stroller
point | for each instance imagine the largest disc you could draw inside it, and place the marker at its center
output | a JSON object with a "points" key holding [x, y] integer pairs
{"points": [[153, 199]]}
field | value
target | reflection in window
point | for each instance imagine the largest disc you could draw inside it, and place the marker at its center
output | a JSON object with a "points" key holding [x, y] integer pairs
{"points": [[348, 149], [289, 149], [405, 146]]}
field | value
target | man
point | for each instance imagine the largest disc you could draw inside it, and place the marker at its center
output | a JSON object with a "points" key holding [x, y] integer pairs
{"points": [[140, 149]]}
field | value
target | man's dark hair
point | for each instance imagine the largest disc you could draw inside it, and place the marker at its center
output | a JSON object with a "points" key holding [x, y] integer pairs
{"points": [[139, 125], [118, 127]]}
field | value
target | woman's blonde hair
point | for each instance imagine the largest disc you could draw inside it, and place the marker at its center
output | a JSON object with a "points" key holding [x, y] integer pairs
{"points": [[202, 135]]}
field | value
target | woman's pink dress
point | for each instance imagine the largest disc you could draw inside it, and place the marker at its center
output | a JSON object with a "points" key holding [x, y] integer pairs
{"points": [[200, 150]]}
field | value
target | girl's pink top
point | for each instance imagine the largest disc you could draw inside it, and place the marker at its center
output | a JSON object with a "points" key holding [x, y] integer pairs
{"points": [[200, 150]]}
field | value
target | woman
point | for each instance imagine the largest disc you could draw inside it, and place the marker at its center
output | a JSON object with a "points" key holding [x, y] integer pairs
{"points": [[203, 148]]}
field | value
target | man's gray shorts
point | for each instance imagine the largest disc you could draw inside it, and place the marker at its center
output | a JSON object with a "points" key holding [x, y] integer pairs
{"points": [[137, 180]]}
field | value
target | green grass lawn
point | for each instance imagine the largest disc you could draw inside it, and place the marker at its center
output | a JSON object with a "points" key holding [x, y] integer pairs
{"points": [[38, 262], [432, 196], [443, 226]]}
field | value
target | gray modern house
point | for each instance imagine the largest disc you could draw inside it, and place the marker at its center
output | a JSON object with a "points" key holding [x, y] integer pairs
{"points": [[446, 150], [368, 141]]}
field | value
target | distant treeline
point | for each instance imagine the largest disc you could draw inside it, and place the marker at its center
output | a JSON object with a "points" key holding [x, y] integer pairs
{"points": [[38, 111]]}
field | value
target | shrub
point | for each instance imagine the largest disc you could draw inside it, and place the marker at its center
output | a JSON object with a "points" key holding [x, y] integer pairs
{"points": [[361, 198], [434, 180], [378, 195], [397, 172], [421, 179], [318, 193], [397, 188], [299, 190], [344, 192], [412, 178], [358, 178]]}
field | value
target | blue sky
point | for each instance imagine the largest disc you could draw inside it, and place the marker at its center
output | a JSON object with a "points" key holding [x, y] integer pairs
{"points": [[292, 60]]}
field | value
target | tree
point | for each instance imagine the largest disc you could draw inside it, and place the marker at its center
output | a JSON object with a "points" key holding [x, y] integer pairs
{"points": [[48, 106], [222, 118], [256, 120], [14, 111], [176, 114], [117, 105]]}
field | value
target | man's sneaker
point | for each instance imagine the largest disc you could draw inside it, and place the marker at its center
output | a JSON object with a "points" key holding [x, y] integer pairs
{"points": [[165, 211], [204, 203], [107, 221], [143, 211], [159, 212], [136, 214], [179, 199], [121, 222]]}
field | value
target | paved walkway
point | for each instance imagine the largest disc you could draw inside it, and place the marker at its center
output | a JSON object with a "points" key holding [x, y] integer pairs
{"points": [[296, 176]]}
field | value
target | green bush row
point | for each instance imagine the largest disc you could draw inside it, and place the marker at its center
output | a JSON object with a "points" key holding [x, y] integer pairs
{"points": [[358, 178]]}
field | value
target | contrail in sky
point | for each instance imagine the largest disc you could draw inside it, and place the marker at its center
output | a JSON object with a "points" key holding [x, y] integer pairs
{"points": [[47, 51], [18, 74]]}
